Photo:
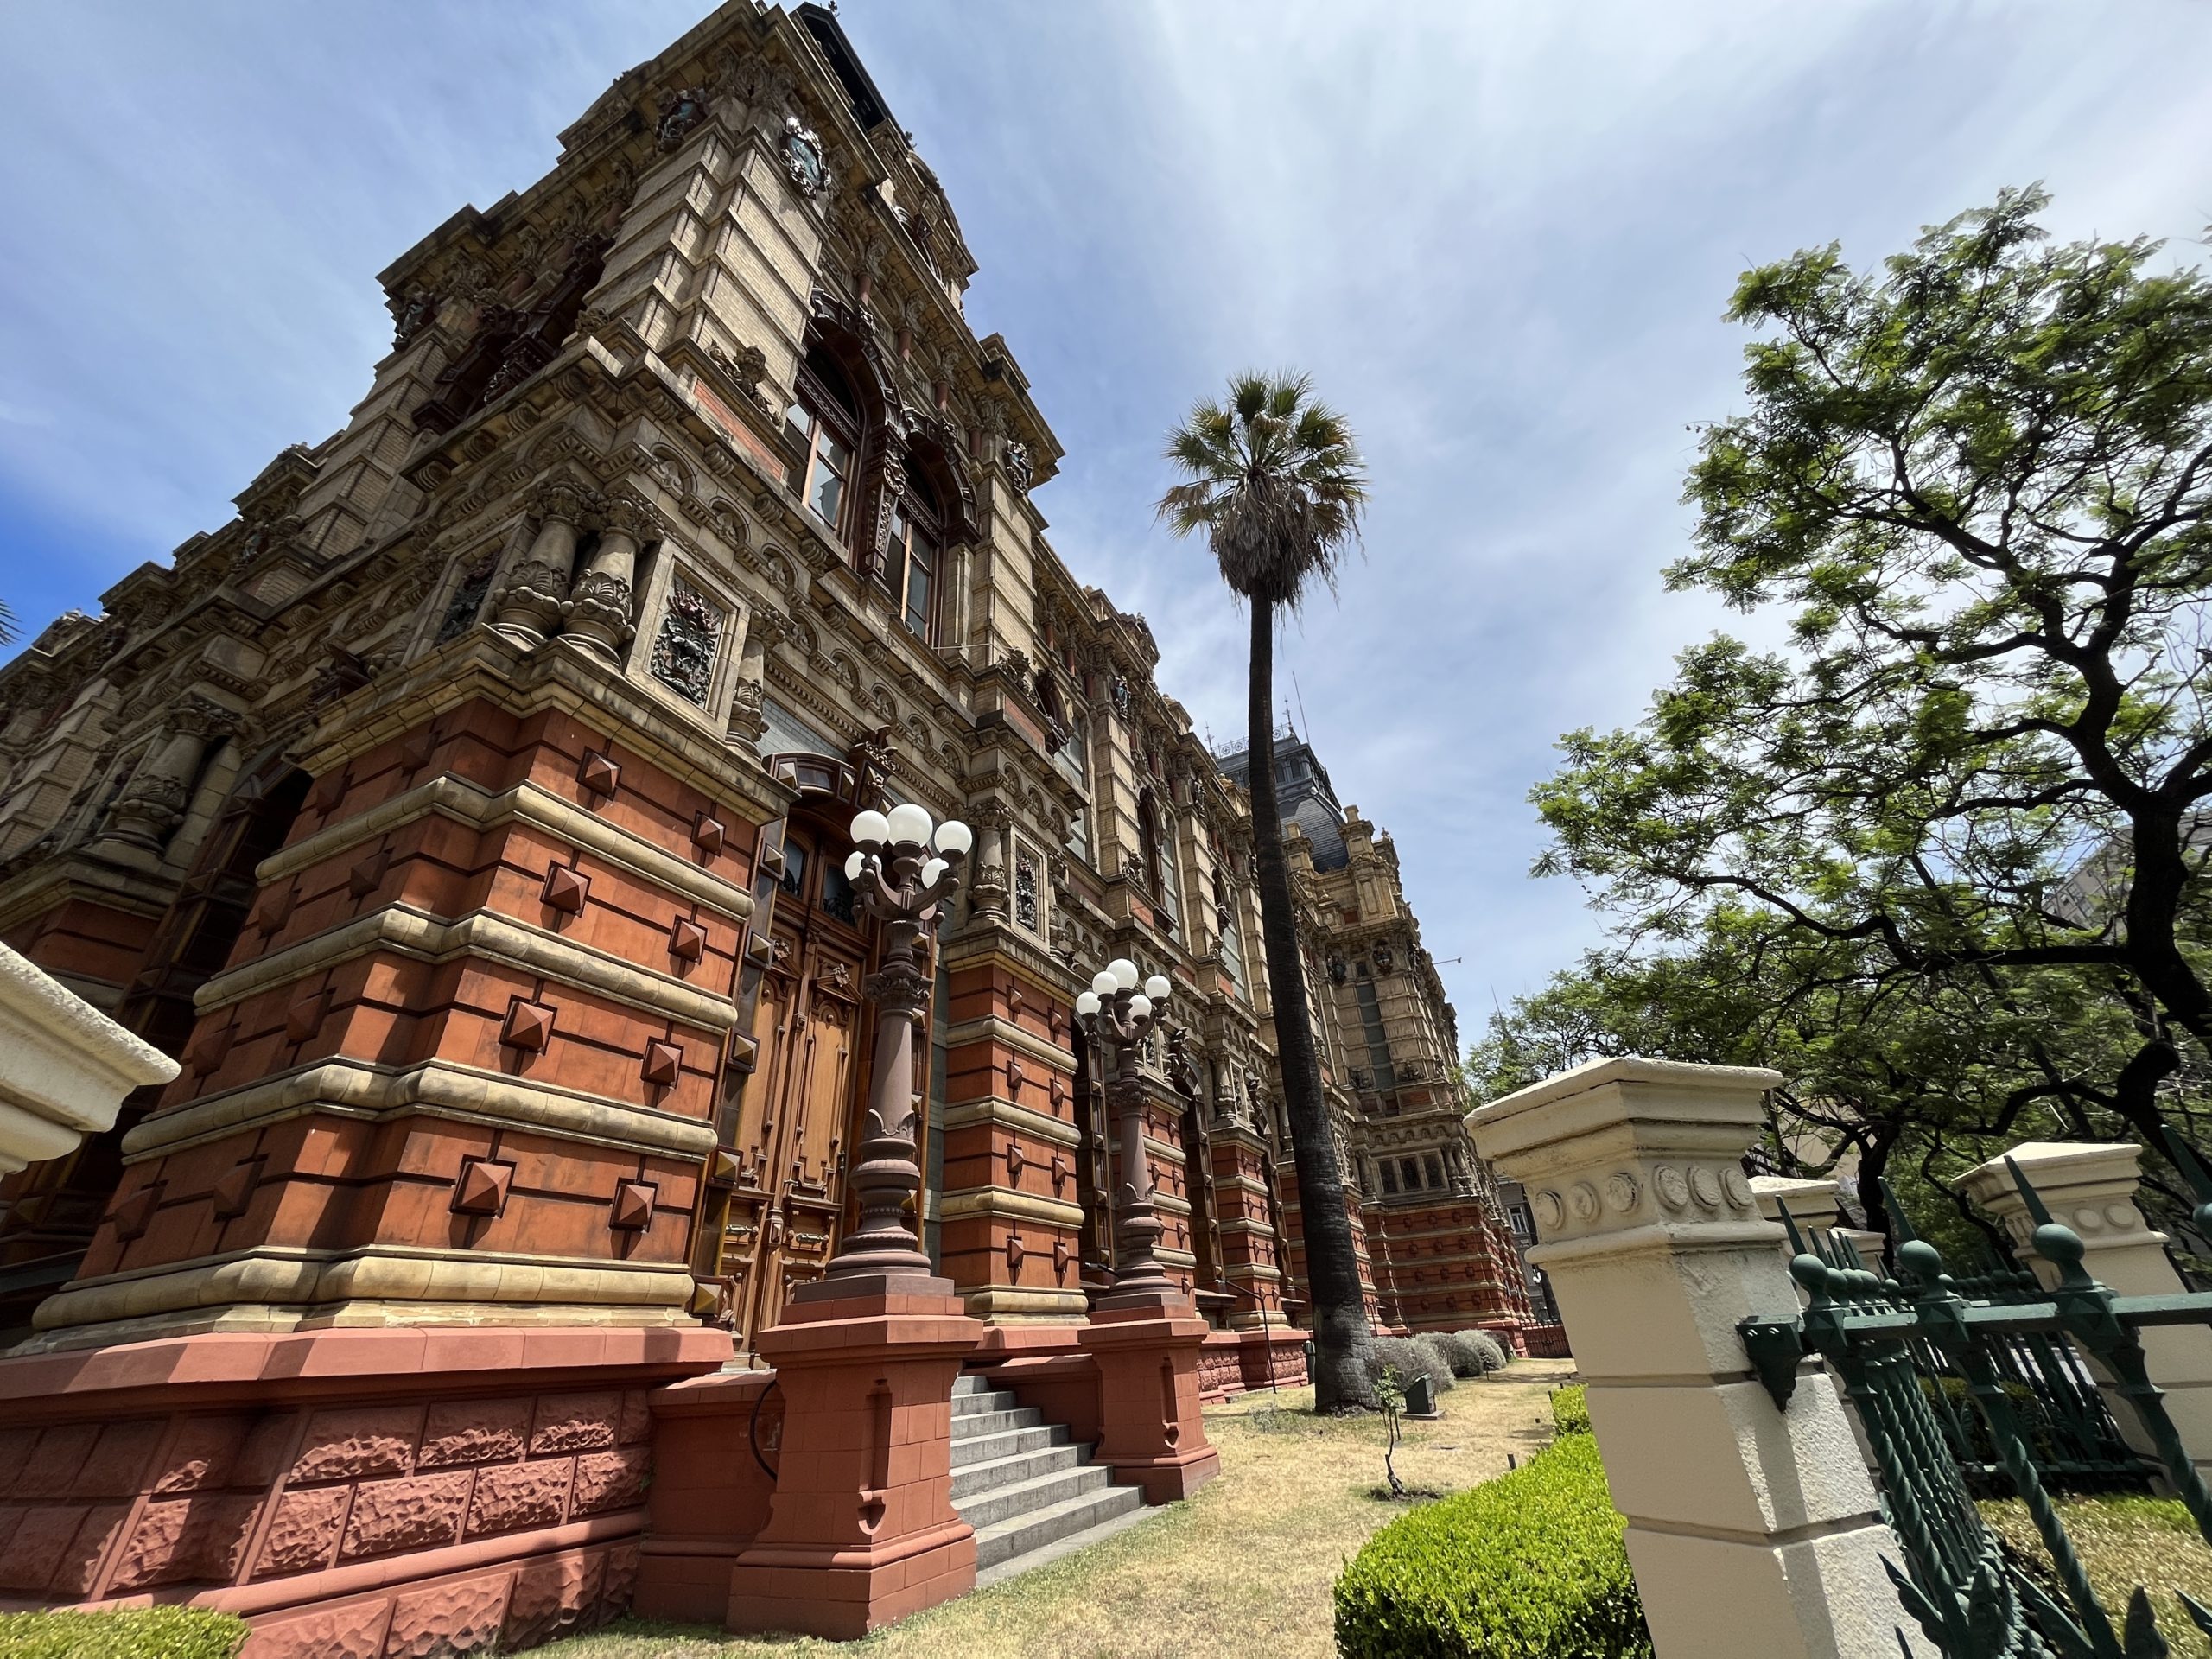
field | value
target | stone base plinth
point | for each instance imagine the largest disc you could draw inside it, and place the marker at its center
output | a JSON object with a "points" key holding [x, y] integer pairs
{"points": [[861, 1531], [346, 1490], [1150, 1431]]}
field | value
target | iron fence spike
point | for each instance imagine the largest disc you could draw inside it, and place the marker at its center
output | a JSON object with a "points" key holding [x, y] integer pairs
{"points": [[1789, 1225], [2029, 1195], [1900, 1222]]}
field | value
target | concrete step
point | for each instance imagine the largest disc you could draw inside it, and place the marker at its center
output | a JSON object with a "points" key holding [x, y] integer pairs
{"points": [[970, 1383], [981, 1402], [989, 1448], [1039, 1493], [1060, 1548], [1018, 1534], [994, 1422], [1004, 1471]]}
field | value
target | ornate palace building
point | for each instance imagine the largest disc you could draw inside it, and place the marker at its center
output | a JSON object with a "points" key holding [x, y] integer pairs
{"points": [[468, 816]]}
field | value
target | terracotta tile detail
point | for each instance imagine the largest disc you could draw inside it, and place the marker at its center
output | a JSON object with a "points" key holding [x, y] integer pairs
{"points": [[235, 1190], [276, 909], [420, 1513], [481, 1187], [597, 774], [305, 1017], [663, 1063], [529, 1025], [687, 940], [566, 889], [367, 873], [708, 833], [633, 1209], [213, 1048]]}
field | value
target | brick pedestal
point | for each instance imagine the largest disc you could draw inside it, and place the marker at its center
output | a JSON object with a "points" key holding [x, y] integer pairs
{"points": [[861, 1530], [1150, 1432]]}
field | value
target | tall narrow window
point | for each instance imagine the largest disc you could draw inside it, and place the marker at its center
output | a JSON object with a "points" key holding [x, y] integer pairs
{"points": [[823, 432], [910, 563]]}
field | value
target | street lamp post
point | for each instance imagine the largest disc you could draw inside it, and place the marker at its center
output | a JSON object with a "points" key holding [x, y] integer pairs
{"points": [[900, 882], [1119, 1016]]}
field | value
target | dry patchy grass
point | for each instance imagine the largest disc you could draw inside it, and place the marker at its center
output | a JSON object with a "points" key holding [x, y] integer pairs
{"points": [[2124, 1542], [1250, 1559]]}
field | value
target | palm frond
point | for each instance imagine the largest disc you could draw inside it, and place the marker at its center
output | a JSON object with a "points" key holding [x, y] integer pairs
{"points": [[1275, 479]]}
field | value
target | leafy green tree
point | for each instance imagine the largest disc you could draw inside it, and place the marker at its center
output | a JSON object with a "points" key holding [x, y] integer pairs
{"points": [[1977, 484], [1272, 478]]}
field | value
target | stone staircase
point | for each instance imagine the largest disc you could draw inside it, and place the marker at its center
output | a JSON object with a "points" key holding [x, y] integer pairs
{"points": [[1025, 1486]]}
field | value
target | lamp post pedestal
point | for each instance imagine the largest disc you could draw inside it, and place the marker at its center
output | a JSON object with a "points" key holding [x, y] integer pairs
{"points": [[861, 1530], [1144, 1335]]}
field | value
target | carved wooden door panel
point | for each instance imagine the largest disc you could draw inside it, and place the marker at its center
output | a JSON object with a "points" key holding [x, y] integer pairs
{"points": [[793, 1127]]}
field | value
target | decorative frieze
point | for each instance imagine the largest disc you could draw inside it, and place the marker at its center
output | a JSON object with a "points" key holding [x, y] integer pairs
{"points": [[685, 648]]}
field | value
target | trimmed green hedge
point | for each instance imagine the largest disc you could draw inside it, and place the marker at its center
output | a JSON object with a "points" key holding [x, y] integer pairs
{"points": [[147, 1633], [1530, 1566], [1571, 1409]]}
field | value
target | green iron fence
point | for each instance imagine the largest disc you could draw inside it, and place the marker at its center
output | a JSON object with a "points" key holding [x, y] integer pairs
{"points": [[1912, 1351]]}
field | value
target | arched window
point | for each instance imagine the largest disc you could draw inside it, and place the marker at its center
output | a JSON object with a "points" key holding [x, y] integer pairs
{"points": [[911, 561], [823, 432]]}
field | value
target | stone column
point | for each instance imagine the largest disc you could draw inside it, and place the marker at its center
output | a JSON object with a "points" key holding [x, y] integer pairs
{"points": [[986, 891], [65, 1066], [764, 630], [152, 804], [2092, 1189], [1754, 1534], [602, 599], [534, 598]]}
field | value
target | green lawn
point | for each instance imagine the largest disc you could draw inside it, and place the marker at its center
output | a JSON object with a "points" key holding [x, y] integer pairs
{"points": [[1245, 1566]]}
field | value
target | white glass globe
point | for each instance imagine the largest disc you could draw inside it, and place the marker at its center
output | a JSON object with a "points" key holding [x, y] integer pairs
{"points": [[1104, 984], [1087, 1004], [1157, 987], [931, 870], [954, 836], [871, 826], [1139, 1006], [1125, 972], [855, 865], [910, 823]]}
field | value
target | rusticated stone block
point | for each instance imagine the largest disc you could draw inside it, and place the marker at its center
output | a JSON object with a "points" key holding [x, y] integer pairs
{"points": [[355, 1631], [11, 1517], [549, 1597], [576, 1423], [268, 1443], [79, 1561], [637, 1418], [119, 1464], [420, 1513], [203, 1454], [43, 1533], [512, 1495], [619, 1585], [612, 1480], [357, 1440], [304, 1531], [458, 1616], [15, 1447], [187, 1540], [54, 1464], [474, 1431]]}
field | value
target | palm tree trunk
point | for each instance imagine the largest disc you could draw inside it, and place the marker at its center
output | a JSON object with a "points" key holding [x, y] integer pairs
{"points": [[1341, 1336]]}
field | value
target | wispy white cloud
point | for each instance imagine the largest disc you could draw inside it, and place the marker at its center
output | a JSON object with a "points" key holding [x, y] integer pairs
{"points": [[1499, 235]]}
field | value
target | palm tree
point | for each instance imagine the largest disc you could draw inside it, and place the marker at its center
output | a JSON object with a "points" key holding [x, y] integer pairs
{"points": [[1273, 479]]}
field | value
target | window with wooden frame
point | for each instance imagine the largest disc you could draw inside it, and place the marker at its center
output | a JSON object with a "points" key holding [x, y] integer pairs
{"points": [[912, 562], [823, 432]]}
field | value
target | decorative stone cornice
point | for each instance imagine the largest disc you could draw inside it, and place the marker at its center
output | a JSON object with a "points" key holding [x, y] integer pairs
{"points": [[65, 1066]]}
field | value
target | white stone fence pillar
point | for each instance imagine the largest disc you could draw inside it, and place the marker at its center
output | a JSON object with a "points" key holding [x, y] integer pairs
{"points": [[1754, 1533], [2091, 1189], [1814, 1208], [65, 1066]]}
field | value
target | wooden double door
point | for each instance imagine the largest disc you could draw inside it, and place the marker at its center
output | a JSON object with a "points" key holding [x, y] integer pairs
{"points": [[792, 1132]]}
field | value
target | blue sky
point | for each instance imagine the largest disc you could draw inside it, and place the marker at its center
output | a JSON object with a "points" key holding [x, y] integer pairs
{"points": [[1499, 236]]}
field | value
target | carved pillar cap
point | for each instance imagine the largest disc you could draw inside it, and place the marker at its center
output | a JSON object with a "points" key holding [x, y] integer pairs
{"points": [[1646, 1150], [1812, 1204], [2090, 1187]]}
